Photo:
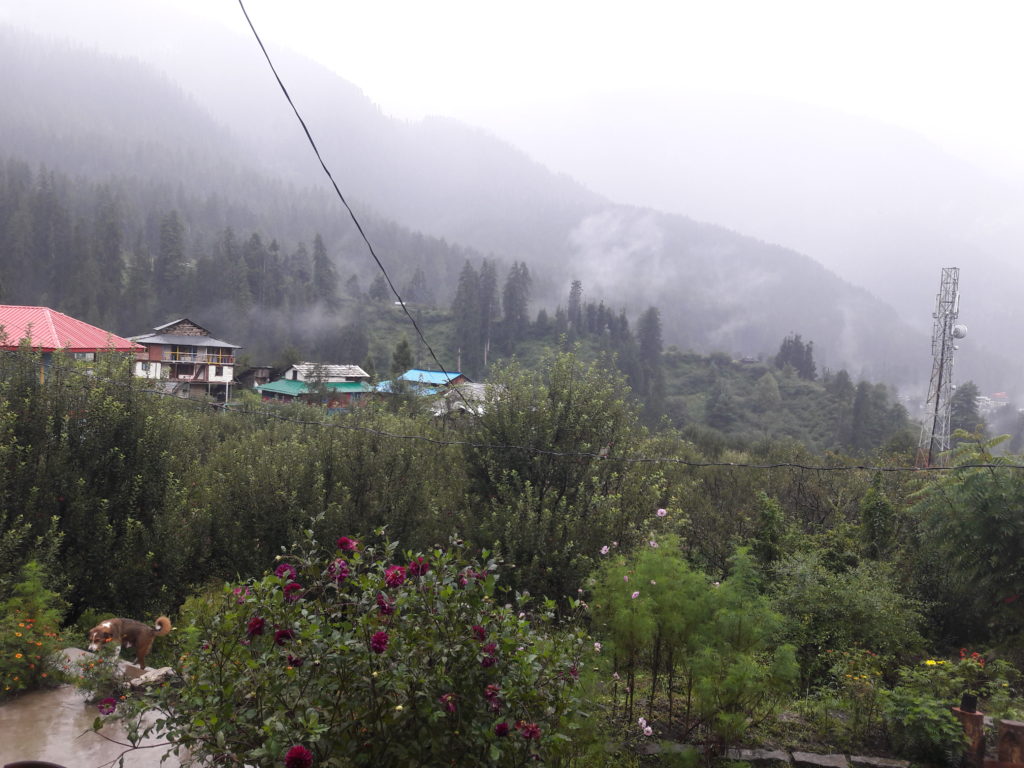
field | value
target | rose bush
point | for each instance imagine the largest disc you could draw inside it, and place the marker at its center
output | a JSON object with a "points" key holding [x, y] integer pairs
{"points": [[395, 659]]}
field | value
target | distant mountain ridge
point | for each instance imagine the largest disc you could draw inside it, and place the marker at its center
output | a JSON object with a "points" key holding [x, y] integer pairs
{"points": [[717, 290]]}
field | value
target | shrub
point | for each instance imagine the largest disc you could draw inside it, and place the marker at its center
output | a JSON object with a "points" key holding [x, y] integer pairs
{"points": [[921, 727], [365, 657], [28, 632], [825, 610], [712, 641]]}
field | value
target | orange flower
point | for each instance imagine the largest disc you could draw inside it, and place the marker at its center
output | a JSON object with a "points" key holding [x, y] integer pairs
{"points": [[17, 655]]}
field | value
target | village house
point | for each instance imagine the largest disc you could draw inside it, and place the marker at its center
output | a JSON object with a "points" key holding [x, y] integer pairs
{"points": [[326, 372], [45, 330], [187, 360], [423, 382], [326, 384]]}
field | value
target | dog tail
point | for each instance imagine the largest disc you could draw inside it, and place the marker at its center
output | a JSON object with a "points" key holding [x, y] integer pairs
{"points": [[163, 626]]}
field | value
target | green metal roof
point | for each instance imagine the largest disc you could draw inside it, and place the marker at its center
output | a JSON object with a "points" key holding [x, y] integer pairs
{"points": [[284, 387], [296, 388], [349, 386]]}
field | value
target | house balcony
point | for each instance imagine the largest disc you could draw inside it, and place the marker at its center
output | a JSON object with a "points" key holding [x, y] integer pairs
{"points": [[204, 358]]}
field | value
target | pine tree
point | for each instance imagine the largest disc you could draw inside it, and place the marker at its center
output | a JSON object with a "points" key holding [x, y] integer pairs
{"points": [[516, 300], [468, 323], [418, 290], [169, 265], [325, 277], [401, 358], [963, 407], [488, 293], [574, 310], [379, 290]]}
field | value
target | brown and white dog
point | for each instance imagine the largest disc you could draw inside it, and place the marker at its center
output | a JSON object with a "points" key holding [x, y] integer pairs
{"points": [[128, 633]]}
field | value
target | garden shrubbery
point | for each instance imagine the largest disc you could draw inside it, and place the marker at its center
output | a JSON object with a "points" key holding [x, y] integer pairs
{"points": [[363, 655], [29, 632]]}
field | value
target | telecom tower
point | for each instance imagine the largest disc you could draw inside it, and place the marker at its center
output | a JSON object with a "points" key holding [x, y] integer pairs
{"points": [[945, 332]]}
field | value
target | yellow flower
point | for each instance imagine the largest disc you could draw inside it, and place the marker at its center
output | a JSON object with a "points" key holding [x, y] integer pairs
{"points": [[931, 662], [399, 708], [17, 634]]}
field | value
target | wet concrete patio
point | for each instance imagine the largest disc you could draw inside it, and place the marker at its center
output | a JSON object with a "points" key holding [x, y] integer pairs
{"points": [[55, 725]]}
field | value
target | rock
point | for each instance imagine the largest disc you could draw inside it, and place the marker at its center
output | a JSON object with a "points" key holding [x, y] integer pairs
{"points": [[861, 761], [761, 758], [812, 760], [69, 659], [151, 677]]}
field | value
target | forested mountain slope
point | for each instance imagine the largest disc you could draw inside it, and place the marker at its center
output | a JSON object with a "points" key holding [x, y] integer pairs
{"points": [[131, 140]]}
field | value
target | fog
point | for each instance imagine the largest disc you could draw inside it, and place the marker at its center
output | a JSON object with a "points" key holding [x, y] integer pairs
{"points": [[880, 140]]}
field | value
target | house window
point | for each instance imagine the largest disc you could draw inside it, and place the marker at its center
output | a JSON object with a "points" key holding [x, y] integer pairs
{"points": [[144, 366], [86, 356], [219, 370]]}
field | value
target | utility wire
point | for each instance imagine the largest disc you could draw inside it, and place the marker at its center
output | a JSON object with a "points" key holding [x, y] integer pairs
{"points": [[337, 190], [587, 455]]}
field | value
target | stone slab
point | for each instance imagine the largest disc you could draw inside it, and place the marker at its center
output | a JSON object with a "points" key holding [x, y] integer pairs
{"points": [[761, 758], [151, 677], [69, 658], [812, 760], [864, 761]]}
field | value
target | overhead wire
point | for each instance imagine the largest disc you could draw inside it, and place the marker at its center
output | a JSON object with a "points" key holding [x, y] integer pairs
{"points": [[603, 456], [344, 202]]}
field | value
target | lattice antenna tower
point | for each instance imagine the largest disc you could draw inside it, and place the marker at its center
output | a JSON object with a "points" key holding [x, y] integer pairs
{"points": [[934, 442]]}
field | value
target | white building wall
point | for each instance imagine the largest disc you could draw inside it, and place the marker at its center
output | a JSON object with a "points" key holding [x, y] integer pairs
{"points": [[227, 373], [152, 373]]}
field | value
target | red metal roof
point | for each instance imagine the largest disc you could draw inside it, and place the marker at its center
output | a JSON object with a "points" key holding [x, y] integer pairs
{"points": [[50, 330]]}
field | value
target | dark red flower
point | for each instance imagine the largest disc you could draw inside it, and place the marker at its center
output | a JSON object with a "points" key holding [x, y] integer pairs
{"points": [[529, 730], [338, 570], [292, 591], [282, 636], [107, 706], [298, 757], [386, 606], [295, 661], [286, 571], [493, 699], [394, 575], [501, 729], [345, 544], [379, 642], [419, 567], [490, 655], [574, 672], [255, 626], [447, 701], [479, 632]]}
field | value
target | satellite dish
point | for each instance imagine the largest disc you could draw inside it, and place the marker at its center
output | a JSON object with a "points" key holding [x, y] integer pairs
{"points": [[959, 331]]}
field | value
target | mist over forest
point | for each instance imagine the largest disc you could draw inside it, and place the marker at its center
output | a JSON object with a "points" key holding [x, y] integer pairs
{"points": [[817, 240]]}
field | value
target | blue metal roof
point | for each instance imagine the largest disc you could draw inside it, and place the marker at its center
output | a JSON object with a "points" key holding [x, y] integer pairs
{"points": [[429, 378]]}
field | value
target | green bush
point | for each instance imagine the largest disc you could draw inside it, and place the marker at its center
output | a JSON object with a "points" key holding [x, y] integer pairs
{"points": [[363, 656], [712, 642], [825, 610], [29, 636], [922, 727]]}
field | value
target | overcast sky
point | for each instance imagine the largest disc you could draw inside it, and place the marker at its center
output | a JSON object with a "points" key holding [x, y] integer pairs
{"points": [[948, 70]]}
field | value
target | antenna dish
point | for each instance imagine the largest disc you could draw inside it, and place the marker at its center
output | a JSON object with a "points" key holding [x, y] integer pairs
{"points": [[959, 331]]}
